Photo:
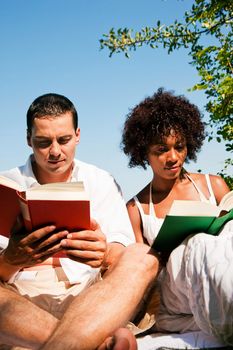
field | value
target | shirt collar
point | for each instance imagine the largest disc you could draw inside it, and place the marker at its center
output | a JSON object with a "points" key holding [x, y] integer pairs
{"points": [[31, 176]]}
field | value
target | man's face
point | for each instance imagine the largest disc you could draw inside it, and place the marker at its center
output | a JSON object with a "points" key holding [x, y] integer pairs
{"points": [[53, 140]]}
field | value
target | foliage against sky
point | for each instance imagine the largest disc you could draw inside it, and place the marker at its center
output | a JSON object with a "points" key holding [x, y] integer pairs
{"points": [[207, 33]]}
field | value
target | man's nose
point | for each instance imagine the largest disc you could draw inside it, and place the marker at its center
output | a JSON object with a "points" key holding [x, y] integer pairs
{"points": [[55, 149]]}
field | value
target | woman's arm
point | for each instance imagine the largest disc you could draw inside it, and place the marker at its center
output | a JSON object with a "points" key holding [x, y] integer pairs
{"points": [[135, 219]]}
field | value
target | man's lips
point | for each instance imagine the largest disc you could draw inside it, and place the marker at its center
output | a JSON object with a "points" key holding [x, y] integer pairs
{"points": [[56, 161]]}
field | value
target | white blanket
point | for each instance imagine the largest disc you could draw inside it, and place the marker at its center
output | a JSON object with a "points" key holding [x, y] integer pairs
{"points": [[191, 340], [197, 290]]}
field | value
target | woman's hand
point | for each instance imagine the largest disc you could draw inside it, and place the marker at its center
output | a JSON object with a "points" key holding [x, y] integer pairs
{"points": [[88, 246]]}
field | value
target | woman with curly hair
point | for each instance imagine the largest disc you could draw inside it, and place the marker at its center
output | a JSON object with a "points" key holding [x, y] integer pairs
{"points": [[165, 131]]}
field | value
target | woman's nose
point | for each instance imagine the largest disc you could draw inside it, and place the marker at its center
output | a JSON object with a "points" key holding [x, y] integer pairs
{"points": [[172, 155]]}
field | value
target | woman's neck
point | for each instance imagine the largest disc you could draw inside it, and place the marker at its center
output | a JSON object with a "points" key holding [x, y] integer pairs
{"points": [[164, 186]]}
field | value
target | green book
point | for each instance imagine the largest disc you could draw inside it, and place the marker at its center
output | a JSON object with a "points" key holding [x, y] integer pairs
{"points": [[188, 217]]}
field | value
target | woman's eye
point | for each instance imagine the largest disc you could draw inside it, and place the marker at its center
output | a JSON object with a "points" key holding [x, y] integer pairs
{"points": [[159, 150], [180, 147]]}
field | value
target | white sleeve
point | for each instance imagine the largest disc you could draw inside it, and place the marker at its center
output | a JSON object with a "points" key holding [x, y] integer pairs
{"points": [[108, 208]]}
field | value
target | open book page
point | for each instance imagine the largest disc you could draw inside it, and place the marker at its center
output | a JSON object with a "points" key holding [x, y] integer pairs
{"points": [[58, 191], [227, 201], [7, 182], [198, 208], [193, 208]]}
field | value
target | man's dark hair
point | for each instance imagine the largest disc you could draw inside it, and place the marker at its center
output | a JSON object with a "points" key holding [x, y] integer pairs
{"points": [[152, 120], [52, 105]]}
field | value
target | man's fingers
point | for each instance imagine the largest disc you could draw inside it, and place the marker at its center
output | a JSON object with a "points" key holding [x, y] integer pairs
{"points": [[37, 235], [43, 243]]}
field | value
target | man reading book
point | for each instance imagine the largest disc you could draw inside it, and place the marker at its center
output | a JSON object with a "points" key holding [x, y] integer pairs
{"points": [[48, 302]]}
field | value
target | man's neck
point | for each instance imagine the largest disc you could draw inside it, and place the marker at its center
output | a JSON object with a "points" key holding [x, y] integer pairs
{"points": [[45, 177]]}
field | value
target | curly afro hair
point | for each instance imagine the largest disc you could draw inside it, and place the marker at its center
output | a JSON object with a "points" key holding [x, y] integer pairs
{"points": [[153, 119]]}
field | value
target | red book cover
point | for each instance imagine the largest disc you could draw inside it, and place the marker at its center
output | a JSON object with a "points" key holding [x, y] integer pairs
{"points": [[65, 205], [71, 215], [9, 209]]}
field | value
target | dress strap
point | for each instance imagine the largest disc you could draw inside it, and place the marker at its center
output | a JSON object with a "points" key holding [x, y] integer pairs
{"points": [[139, 206], [212, 198], [151, 205], [202, 196], [141, 211]]}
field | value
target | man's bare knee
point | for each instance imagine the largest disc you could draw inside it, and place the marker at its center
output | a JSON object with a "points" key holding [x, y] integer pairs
{"points": [[141, 256]]}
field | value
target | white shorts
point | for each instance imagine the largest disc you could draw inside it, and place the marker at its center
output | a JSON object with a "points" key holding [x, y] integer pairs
{"points": [[50, 289]]}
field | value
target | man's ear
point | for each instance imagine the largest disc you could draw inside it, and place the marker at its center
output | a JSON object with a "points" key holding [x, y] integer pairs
{"points": [[77, 133], [29, 139]]}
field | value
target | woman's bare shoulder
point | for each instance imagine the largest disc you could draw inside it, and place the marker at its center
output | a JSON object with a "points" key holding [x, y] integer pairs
{"points": [[131, 202], [216, 180], [218, 184]]}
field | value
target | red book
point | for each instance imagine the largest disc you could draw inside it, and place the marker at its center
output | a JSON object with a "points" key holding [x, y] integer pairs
{"points": [[65, 205]]}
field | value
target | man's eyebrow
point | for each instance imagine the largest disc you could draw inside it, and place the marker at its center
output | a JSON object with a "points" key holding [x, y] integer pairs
{"points": [[41, 137], [38, 137]]}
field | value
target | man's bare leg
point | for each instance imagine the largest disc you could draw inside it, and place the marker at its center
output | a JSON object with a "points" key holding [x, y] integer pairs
{"points": [[107, 305], [22, 323]]}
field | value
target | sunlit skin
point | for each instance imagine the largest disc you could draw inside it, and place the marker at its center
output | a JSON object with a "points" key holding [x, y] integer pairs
{"points": [[167, 158], [53, 140]]}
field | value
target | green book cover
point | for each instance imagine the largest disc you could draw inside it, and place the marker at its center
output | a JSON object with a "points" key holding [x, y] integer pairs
{"points": [[219, 222], [190, 217], [176, 228]]}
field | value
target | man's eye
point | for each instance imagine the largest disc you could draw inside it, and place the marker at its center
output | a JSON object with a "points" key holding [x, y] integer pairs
{"points": [[43, 144], [63, 141]]}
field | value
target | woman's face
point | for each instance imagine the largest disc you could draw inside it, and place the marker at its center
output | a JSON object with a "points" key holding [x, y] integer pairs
{"points": [[167, 157]]}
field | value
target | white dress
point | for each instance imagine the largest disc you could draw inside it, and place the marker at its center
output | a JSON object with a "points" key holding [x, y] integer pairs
{"points": [[197, 284]]}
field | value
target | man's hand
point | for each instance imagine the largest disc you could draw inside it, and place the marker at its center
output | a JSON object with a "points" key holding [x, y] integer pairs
{"points": [[88, 246], [28, 249]]}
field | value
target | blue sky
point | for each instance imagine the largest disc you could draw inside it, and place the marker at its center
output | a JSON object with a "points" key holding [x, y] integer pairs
{"points": [[53, 46]]}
